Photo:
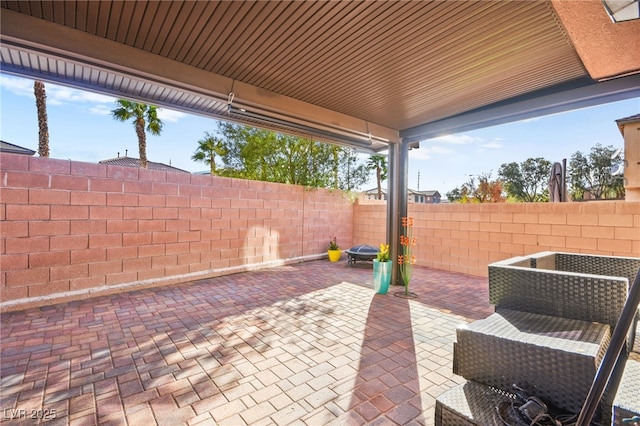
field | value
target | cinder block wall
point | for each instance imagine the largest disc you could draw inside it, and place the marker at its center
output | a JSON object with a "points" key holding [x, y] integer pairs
{"points": [[466, 237], [80, 227], [71, 228], [370, 222]]}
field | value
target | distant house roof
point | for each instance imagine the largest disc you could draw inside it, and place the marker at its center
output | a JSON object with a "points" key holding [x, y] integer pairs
{"points": [[429, 193], [135, 162], [15, 149], [622, 121]]}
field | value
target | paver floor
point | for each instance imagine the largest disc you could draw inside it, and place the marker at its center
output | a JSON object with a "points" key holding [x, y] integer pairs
{"points": [[306, 344]]}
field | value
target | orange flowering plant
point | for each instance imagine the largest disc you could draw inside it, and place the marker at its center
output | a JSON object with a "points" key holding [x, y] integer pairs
{"points": [[406, 260]]}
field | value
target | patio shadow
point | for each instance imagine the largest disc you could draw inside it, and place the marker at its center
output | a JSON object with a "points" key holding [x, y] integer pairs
{"points": [[303, 343], [387, 385]]}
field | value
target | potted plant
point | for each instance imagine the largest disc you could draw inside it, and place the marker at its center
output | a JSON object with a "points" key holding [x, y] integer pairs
{"points": [[382, 270], [407, 260], [334, 250]]}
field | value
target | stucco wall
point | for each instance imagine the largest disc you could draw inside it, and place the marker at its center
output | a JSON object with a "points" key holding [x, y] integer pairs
{"points": [[632, 160], [73, 227], [466, 237]]}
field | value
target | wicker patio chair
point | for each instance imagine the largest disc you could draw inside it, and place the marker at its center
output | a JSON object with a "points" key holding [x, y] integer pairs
{"points": [[584, 287], [552, 358]]}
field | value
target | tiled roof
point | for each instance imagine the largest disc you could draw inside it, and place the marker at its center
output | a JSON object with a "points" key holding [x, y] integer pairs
{"points": [[15, 149], [135, 162]]}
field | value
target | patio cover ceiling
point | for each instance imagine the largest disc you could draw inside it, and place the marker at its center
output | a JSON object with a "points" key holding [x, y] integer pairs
{"points": [[361, 74]]}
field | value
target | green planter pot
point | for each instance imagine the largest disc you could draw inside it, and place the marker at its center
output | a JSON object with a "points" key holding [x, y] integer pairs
{"points": [[381, 276]]}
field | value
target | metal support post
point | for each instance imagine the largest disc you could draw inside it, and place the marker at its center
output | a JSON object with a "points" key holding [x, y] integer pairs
{"points": [[396, 202]]}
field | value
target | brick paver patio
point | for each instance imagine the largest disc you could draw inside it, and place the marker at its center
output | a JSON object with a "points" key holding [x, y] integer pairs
{"points": [[307, 344]]}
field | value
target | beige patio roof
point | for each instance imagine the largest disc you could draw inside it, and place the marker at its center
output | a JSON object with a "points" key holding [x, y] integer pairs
{"points": [[357, 73]]}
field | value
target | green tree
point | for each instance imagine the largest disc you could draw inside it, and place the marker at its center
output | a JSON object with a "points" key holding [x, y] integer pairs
{"points": [[592, 173], [208, 148], [527, 181], [145, 117], [617, 186], [43, 127], [352, 174], [378, 163], [251, 153], [258, 154], [455, 195]]}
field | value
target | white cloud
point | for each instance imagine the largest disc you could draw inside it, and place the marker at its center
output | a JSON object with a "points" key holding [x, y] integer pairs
{"points": [[427, 152], [460, 139], [17, 86], [420, 154], [457, 139], [492, 145], [170, 115], [61, 95], [100, 110], [440, 150], [541, 117], [56, 95]]}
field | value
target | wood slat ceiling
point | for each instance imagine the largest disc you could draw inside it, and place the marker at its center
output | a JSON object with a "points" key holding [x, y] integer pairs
{"points": [[396, 64]]}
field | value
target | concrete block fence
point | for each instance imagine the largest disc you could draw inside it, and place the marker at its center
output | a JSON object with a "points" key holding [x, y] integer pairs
{"points": [[71, 229], [467, 237]]}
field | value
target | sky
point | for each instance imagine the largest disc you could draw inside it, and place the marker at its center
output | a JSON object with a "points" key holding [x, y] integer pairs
{"points": [[82, 129]]}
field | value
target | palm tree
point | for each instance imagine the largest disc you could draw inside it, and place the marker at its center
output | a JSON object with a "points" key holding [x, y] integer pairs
{"points": [[208, 148], [143, 115], [43, 127], [379, 164]]}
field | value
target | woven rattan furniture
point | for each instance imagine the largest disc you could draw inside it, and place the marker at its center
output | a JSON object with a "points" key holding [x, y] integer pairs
{"points": [[554, 316], [470, 403], [588, 264], [579, 286], [627, 400], [563, 285], [552, 358]]}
